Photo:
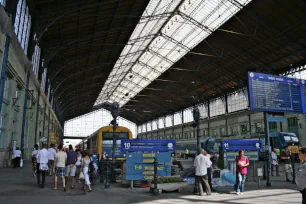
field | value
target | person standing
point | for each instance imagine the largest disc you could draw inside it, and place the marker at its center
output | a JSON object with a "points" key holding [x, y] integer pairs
{"points": [[52, 152], [86, 161], [285, 156], [17, 157], [242, 163], [78, 165], [70, 166], [42, 160], [201, 164], [60, 163], [274, 163], [300, 179], [209, 171]]}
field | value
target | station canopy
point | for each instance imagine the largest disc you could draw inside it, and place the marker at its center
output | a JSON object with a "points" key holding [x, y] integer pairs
{"points": [[160, 56]]}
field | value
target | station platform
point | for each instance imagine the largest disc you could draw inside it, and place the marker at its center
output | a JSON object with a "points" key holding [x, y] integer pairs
{"points": [[19, 186]]}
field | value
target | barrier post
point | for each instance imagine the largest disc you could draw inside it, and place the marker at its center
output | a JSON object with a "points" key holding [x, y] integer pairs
{"points": [[101, 167], [107, 185], [155, 190]]}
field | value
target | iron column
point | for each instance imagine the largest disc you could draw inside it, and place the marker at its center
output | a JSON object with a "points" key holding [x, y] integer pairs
{"points": [[267, 148], [3, 69], [24, 111], [37, 115]]}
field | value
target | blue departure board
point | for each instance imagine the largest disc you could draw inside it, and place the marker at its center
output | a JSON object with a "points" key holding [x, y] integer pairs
{"points": [[276, 93]]}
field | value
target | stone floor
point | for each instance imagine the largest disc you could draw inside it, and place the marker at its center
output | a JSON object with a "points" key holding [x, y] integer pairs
{"points": [[19, 186]]}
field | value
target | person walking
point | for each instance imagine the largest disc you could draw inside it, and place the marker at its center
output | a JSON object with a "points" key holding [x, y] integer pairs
{"points": [[52, 152], [42, 160], [70, 165], [60, 163], [285, 156], [17, 157], [242, 163], [201, 164], [78, 165], [34, 159], [86, 161], [300, 179], [274, 163]]}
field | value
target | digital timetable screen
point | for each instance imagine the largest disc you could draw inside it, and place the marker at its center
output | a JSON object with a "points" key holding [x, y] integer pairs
{"points": [[273, 93]]}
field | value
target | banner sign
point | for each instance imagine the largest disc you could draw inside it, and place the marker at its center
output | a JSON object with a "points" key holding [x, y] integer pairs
{"points": [[139, 166], [147, 145], [274, 93], [252, 156], [236, 145]]}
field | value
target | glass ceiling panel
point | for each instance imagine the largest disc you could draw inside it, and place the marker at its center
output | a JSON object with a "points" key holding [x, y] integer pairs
{"points": [[167, 30]]}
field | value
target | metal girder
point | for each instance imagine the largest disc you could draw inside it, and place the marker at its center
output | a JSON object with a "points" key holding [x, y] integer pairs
{"points": [[84, 36], [160, 56], [61, 100], [64, 108], [63, 14], [75, 97], [175, 41], [87, 56], [143, 38], [145, 65], [159, 31], [74, 74], [194, 22]]}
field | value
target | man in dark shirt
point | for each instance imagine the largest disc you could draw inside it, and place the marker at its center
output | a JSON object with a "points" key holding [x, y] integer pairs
{"points": [[70, 165]]}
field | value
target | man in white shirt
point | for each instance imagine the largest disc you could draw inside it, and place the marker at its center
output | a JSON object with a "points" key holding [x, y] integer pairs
{"points": [[52, 152], [201, 164], [17, 157], [274, 163], [42, 160]]}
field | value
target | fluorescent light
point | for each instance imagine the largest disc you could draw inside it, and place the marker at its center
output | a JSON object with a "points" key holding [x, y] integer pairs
{"points": [[163, 36]]}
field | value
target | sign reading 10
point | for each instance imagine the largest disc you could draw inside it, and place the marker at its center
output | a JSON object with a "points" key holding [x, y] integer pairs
{"points": [[127, 145]]}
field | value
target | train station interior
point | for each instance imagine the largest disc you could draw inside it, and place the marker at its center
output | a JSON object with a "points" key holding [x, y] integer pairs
{"points": [[103, 75]]}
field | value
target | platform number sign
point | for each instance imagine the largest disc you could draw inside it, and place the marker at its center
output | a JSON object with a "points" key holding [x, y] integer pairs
{"points": [[127, 145]]}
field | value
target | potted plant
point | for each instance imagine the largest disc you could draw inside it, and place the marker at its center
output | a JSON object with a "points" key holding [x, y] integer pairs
{"points": [[169, 183]]}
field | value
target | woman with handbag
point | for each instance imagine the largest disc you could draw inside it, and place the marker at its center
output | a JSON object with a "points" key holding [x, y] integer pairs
{"points": [[78, 165], [86, 161]]}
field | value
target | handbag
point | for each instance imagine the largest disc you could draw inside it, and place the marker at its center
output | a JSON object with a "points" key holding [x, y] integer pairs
{"points": [[81, 176], [21, 163]]}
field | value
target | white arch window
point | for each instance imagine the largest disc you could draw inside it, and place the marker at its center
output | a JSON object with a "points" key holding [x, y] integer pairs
{"points": [[22, 24]]}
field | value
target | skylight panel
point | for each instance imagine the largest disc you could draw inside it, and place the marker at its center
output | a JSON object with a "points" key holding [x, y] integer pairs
{"points": [[162, 36]]}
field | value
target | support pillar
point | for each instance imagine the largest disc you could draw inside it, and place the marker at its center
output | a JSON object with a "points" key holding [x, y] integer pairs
{"points": [[37, 114], [3, 69], [267, 149], [43, 132], [25, 108], [48, 136]]}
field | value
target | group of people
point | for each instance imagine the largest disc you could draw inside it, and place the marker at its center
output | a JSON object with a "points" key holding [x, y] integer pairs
{"points": [[63, 164], [203, 171]]}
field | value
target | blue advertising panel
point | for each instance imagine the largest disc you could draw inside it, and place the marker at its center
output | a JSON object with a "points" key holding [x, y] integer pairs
{"points": [[107, 148], [147, 145], [236, 145], [139, 166], [276, 93], [252, 156]]}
